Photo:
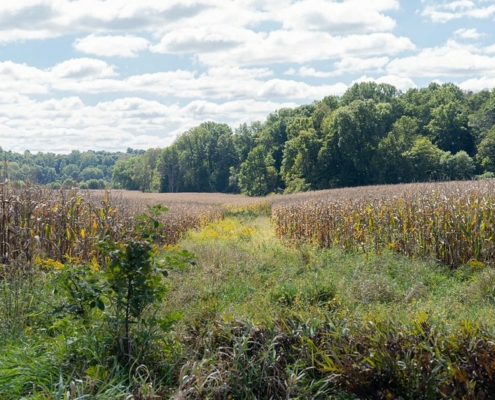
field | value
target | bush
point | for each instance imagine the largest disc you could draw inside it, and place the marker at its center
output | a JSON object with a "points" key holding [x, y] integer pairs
{"points": [[93, 184]]}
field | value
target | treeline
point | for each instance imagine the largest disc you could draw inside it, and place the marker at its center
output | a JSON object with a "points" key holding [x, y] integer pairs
{"points": [[89, 169], [373, 134]]}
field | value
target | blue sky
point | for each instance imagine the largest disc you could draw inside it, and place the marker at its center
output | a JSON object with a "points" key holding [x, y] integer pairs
{"points": [[113, 74]]}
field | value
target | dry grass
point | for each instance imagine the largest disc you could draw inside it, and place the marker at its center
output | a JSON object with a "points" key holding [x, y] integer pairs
{"points": [[179, 199], [63, 225], [451, 222]]}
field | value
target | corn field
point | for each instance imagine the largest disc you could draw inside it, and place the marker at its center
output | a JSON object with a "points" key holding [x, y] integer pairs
{"points": [[64, 225], [452, 222]]}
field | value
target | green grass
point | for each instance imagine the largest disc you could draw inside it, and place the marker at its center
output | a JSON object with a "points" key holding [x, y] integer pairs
{"points": [[243, 271], [328, 324], [262, 318]]}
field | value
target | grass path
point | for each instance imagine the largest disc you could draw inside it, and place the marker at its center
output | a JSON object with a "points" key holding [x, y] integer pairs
{"points": [[243, 271], [261, 317]]}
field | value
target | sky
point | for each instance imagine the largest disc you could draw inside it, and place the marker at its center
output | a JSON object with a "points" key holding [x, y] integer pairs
{"points": [[113, 74]]}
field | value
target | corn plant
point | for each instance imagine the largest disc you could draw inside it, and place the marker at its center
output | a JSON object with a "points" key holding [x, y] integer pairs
{"points": [[453, 222]]}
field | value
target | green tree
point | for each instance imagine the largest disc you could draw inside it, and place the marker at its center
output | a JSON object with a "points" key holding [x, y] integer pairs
{"points": [[145, 170], [299, 166], [458, 166], [123, 173], [483, 119], [71, 171], [170, 170], [426, 160], [91, 173], [449, 128], [486, 152], [420, 103], [244, 139], [88, 159], [206, 153], [257, 176], [395, 167], [379, 92], [44, 175], [352, 136]]}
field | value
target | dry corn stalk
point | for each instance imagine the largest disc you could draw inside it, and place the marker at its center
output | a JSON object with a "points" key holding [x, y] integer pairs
{"points": [[452, 222]]}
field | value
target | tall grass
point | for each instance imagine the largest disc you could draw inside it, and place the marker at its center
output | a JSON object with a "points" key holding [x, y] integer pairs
{"points": [[452, 222], [64, 225], [261, 319]]}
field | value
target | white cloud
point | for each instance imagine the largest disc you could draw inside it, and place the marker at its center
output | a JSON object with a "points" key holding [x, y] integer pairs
{"points": [[346, 65], [354, 64], [353, 16], [468, 33], [21, 78], [204, 39], [305, 46], [452, 59], [66, 124], [83, 68], [478, 84], [93, 76], [298, 90], [235, 112], [111, 46], [309, 71], [490, 49], [40, 19], [445, 12]]}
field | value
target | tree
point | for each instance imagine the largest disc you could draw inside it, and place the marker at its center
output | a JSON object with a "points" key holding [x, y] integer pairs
{"points": [[74, 157], [449, 128], [299, 166], [244, 139], [425, 158], [145, 170], [486, 152], [88, 159], [258, 176], [395, 167], [356, 130], [379, 92], [225, 157], [71, 171], [123, 173], [484, 118], [298, 125], [44, 175], [205, 154], [90, 173], [458, 166], [420, 103], [170, 171]]}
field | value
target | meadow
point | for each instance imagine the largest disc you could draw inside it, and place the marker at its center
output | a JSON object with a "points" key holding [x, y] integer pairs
{"points": [[379, 292]]}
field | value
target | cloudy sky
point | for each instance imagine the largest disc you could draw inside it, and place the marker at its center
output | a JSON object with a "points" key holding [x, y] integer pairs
{"points": [[113, 74]]}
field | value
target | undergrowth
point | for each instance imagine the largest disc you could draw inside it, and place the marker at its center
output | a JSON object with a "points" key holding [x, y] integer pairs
{"points": [[253, 318], [264, 319]]}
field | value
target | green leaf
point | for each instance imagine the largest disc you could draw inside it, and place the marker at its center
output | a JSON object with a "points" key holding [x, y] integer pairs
{"points": [[100, 304]]}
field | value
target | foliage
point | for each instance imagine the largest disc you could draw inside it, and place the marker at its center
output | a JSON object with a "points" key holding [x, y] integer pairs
{"points": [[261, 316], [130, 281], [258, 176], [449, 222], [309, 323], [372, 134], [50, 168], [65, 225]]}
